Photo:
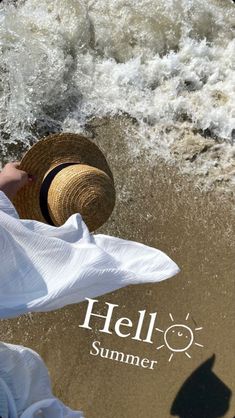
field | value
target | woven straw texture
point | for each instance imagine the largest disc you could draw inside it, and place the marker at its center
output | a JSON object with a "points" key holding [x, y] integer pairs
{"points": [[86, 187], [88, 191]]}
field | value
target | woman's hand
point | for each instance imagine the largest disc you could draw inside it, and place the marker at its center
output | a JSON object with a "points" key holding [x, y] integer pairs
{"points": [[12, 179]]}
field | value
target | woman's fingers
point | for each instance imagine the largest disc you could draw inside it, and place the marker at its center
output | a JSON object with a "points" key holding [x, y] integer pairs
{"points": [[16, 163], [31, 177], [26, 176], [12, 170]]}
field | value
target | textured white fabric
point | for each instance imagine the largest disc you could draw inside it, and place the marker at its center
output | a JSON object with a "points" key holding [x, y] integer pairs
{"points": [[44, 267], [7, 402], [25, 388]]}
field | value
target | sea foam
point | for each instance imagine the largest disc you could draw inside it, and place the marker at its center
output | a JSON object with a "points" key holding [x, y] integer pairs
{"points": [[169, 65]]}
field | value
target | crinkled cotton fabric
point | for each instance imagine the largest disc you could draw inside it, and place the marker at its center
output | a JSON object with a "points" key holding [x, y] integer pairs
{"points": [[25, 387], [44, 267]]}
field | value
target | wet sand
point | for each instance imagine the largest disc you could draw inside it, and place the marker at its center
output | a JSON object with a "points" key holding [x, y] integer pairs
{"points": [[160, 207]]}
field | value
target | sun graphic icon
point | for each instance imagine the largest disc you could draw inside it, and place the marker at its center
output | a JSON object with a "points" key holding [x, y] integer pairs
{"points": [[179, 338]]}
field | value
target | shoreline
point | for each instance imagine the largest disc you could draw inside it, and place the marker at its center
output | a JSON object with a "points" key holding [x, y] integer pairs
{"points": [[188, 155], [191, 146]]}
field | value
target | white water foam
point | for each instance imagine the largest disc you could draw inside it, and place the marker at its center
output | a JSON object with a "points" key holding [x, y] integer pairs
{"points": [[168, 64]]}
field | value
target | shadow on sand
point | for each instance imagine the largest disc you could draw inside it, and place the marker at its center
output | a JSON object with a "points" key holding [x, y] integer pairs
{"points": [[203, 394]]}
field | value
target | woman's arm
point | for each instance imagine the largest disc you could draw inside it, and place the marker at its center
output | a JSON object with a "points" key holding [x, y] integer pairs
{"points": [[12, 179]]}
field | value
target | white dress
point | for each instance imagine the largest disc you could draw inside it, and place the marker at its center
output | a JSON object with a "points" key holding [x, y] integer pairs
{"points": [[45, 267], [25, 387]]}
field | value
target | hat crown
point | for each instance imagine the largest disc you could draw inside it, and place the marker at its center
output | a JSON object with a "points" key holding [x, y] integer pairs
{"points": [[80, 188]]}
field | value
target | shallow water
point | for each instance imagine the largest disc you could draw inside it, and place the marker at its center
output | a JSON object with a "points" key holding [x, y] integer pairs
{"points": [[169, 65]]}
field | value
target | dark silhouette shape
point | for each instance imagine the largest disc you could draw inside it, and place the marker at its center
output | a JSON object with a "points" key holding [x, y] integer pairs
{"points": [[203, 394]]}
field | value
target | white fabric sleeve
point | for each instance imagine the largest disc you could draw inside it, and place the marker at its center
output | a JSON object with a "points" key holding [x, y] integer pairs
{"points": [[28, 386], [44, 267], [7, 206]]}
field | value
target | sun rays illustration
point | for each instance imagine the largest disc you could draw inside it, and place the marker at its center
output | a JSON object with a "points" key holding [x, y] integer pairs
{"points": [[178, 338]]}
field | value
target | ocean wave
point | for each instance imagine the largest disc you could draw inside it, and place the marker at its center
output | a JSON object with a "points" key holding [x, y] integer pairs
{"points": [[169, 65]]}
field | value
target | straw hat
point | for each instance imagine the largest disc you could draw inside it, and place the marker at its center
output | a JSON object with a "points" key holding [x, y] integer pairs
{"points": [[72, 175]]}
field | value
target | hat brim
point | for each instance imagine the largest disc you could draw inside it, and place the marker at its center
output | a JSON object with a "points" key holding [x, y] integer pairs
{"points": [[46, 154]]}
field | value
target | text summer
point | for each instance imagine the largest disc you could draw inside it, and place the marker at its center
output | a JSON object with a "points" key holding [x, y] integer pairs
{"points": [[122, 328]]}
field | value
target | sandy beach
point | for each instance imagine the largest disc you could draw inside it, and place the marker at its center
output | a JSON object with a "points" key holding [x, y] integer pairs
{"points": [[160, 207]]}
